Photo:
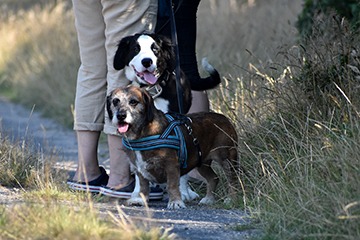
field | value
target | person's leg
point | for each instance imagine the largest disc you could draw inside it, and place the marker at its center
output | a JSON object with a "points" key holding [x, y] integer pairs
{"points": [[185, 18], [91, 87], [122, 19], [201, 102], [88, 165], [186, 27]]}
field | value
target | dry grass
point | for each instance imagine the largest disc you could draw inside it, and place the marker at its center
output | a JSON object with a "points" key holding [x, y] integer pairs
{"points": [[39, 55], [300, 148], [295, 105], [22, 166], [51, 220], [46, 209]]}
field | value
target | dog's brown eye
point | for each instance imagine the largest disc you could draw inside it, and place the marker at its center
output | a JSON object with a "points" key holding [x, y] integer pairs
{"points": [[115, 101], [137, 48], [133, 102]]}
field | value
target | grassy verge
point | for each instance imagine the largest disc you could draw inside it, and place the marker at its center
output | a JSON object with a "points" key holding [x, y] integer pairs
{"points": [[300, 137], [60, 221], [39, 55], [45, 209]]}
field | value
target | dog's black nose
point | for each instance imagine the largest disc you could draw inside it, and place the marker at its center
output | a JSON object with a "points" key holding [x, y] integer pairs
{"points": [[121, 115], [146, 62]]}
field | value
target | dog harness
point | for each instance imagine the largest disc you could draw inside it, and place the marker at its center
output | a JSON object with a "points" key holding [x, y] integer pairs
{"points": [[165, 140]]}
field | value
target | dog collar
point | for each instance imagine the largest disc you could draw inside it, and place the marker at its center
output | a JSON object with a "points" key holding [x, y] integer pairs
{"points": [[154, 90], [165, 140]]}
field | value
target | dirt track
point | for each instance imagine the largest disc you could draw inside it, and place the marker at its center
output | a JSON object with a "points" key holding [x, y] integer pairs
{"points": [[195, 222]]}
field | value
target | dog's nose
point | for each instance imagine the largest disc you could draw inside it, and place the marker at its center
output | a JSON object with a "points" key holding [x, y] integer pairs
{"points": [[146, 62], [121, 115]]}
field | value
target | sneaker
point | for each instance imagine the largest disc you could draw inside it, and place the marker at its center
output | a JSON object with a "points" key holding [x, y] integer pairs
{"points": [[156, 193], [92, 186]]}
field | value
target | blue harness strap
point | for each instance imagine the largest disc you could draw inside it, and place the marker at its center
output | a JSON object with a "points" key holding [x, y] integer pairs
{"points": [[165, 140]]}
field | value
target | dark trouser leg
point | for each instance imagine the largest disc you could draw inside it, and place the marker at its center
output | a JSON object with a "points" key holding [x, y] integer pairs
{"points": [[185, 18]]}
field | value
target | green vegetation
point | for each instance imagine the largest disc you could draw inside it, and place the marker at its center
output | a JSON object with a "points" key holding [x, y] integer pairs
{"points": [[348, 9], [295, 105]]}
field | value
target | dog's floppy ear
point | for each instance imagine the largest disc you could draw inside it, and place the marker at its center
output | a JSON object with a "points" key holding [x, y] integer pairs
{"points": [[108, 106], [149, 105], [122, 52], [167, 50]]}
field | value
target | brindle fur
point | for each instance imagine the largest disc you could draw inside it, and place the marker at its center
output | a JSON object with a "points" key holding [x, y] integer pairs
{"points": [[217, 138]]}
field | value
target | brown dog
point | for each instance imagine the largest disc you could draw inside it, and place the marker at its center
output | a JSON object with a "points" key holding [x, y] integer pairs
{"points": [[208, 137]]}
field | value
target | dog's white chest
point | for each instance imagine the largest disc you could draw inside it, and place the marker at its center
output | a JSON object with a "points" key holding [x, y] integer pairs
{"points": [[162, 104], [142, 167]]}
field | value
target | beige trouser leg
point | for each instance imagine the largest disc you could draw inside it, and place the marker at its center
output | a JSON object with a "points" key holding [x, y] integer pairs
{"points": [[100, 25]]}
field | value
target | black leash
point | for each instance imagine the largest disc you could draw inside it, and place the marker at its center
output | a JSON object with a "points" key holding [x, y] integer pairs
{"points": [[179, 89]]}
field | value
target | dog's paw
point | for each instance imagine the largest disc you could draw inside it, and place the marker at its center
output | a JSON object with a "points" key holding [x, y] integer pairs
{"points": [[177, 204], [207, 201], [135, 201], [188, 195]]}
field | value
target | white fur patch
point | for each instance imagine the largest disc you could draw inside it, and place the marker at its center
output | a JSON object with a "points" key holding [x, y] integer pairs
{"points": [[162, 104], [207, 66], [145, 43], [187, 194], [136, 192], [130, 74], [141, 167]]}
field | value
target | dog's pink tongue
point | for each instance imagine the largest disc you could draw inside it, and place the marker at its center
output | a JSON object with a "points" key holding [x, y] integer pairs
{"points": [[123, 127], [150, 78]]}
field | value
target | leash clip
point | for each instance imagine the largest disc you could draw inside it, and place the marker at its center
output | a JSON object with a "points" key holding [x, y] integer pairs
{"points": [[188, 127]]}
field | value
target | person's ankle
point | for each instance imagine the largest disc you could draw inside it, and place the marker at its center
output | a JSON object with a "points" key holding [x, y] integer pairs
{"points": [[86, 176], [120, 183]]}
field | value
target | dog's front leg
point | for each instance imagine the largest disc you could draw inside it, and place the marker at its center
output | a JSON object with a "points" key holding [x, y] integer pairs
{"points": [[136, 198], [187, 194], [175, 201]]}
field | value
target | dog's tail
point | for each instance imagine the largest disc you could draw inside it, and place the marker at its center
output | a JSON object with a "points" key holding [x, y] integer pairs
{"points": [[207, 83]]}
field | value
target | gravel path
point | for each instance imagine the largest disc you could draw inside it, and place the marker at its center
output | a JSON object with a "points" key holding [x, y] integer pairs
{"points": [[195, 222]]}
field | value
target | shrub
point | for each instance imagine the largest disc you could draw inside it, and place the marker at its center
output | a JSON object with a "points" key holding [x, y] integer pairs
{"points": [[349, 9], [302, 159]]}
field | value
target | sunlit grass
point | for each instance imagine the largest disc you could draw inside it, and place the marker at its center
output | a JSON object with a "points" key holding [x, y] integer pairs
{"points": [[39, 54], [46, 209], [71, 221]]}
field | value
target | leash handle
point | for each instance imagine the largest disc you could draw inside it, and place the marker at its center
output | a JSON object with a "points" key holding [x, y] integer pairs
{"points": [[179, 89]]}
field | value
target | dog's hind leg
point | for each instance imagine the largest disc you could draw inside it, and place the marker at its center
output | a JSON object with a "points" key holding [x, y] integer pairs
{"points": [[212, 180], [232, 171]]}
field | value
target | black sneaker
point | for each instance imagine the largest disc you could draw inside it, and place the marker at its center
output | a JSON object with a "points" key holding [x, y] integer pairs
{"points": [[92, 186], [156, 193]]}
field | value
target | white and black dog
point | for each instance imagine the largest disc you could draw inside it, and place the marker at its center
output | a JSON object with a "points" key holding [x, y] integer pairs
{"points": [[149, 61]]}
